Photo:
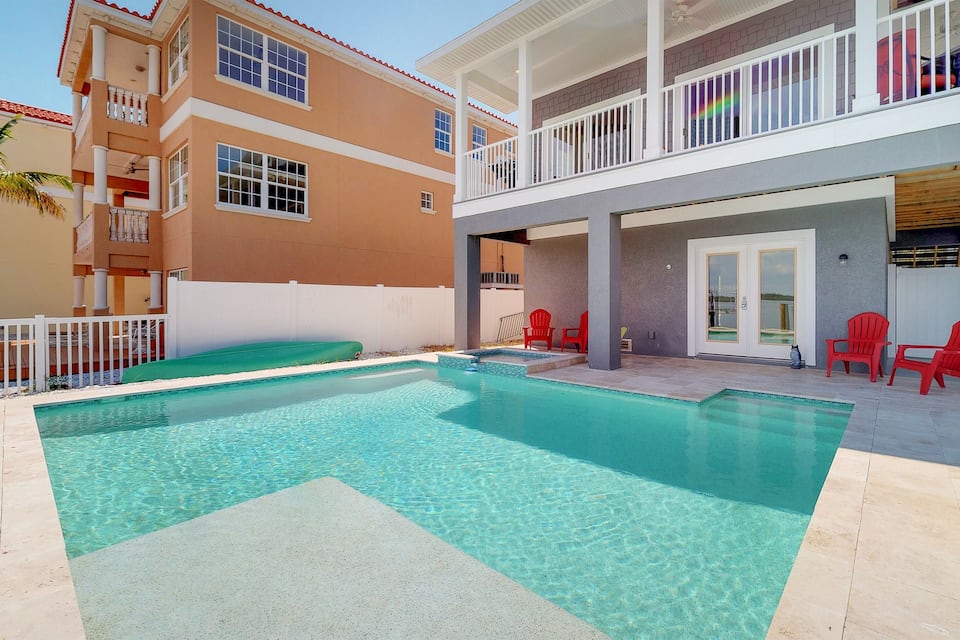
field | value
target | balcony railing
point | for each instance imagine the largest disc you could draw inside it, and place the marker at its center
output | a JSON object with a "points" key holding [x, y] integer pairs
{"points": [[129, 225], [85, 232], [918, 54], [126, 105], [490, 279]]}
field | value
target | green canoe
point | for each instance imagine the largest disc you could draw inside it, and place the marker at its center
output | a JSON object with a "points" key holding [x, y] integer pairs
{"points": [[247, 357]]}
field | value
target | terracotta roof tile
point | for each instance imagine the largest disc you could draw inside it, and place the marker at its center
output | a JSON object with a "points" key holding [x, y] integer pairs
{"points": [[317, 32], [35, 112]]}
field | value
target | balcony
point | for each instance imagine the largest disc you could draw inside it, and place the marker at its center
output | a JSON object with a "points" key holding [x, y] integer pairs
{"points": [[499, 280], [117, 237], [782, 89]]}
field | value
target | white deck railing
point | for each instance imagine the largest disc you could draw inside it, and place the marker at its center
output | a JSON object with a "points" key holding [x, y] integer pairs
{"points": [[85, 232], [126, 105], [42, 353], [129, 225], [491, 169], [806, 83]]}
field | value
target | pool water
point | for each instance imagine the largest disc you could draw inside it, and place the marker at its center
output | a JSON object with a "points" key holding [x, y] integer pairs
{"points": [[646, 518]]}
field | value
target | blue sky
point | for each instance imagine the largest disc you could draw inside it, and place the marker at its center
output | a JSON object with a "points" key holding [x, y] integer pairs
{"points": [[397, 31]]}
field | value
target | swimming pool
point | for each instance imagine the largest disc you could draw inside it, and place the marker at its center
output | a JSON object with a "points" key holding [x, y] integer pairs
{"points": [[644, 517]]}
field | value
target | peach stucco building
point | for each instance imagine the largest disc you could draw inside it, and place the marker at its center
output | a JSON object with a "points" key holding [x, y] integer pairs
{"points": [[222, 141], [35, 250]]}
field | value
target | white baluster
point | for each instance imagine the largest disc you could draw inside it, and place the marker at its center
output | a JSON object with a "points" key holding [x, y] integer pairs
{"points": [[111, 102]]}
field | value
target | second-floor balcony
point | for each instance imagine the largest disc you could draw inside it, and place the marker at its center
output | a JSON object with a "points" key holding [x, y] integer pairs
{"points": [[117, 231], [797, 82]]}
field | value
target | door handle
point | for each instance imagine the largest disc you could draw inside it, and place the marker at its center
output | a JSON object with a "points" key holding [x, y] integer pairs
{"points": [[743, 303]]}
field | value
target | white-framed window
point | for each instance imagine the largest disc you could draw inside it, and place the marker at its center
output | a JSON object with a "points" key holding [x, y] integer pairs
{"points": [[177, 170], [426, 202], [442, 130], [257, 180], [478, 137], [178, 274], [242, 56], [178, 54]]}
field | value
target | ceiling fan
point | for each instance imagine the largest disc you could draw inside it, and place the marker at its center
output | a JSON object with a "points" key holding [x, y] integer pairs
{"points": [[685, 14]]}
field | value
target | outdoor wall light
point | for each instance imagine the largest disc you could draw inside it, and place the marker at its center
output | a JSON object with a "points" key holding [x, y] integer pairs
{"points": [[843, 259]]}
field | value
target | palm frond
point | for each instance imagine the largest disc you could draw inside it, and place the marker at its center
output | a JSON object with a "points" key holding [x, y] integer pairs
{"points": [[18, 188], [6, 133]]}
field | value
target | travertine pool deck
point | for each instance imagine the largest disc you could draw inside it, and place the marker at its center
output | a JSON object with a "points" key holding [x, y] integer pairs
{"points": [[881, 557]]}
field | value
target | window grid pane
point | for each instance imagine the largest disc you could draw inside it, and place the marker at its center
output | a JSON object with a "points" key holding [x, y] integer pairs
{"points": [[179, 52], [250, 179], [241, 56], [442, 123], [478, 137], [177, 168]]}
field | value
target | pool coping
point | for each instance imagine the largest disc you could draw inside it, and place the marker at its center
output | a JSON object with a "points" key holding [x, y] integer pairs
{"points": [[887, 495]]}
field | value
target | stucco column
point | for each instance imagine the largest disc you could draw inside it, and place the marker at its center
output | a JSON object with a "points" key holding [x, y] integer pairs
{"points": [[153, 200], [78, 284], [77, 204], [866, 96], [603, 290], [466, 294], [153, 69], [100, 290], [77, 109], [99, 175], [98, 69], [654, 79], [156, 289], [524, 112], [460, 137]]}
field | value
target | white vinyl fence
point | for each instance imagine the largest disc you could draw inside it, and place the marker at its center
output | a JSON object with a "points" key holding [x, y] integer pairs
{"points": [[927, 304], [209, 315]]}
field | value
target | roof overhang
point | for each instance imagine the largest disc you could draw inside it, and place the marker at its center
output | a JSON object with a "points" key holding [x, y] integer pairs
{"points": [[570, 41]]}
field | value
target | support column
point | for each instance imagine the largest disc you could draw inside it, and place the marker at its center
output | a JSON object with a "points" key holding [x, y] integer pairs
{"points": [[77, 204], [153, 69], [524, 112], [98, 69], [100, 306], [603, 285], [99, 175], [466, 294], [460, 137], [78, 284], [153, 200], [77, 109], [866, 97], [654, 79], [156, 290]]}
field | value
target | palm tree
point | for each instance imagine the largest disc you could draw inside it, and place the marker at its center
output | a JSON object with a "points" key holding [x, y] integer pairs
{"points": [[23, 187]]}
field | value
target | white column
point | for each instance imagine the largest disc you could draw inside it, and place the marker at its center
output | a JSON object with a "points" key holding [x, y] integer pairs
{"points": [[99, 289], [77, 204], [524, 112], [866, 97], [99, 62], [156, 289], [153, 69], [153, 202], [78, 283], [77, 109], [654, 79], [460, 136], [99, 175]]}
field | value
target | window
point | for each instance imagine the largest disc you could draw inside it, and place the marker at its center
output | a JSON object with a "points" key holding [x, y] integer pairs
{"points": [[442, 127], [426, 202], [260, 181], [240, 56], [478, 137], [177, 274], [178, 53], [177, 170]]}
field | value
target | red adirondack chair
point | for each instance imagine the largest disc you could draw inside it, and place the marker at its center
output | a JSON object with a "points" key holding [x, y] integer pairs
{"points": [[576, 335], [946, 361], [866, 338], [539, 329]]}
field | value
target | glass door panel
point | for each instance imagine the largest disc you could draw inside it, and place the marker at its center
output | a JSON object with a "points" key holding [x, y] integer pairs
{"points": [[778, 294], [723, 271]]}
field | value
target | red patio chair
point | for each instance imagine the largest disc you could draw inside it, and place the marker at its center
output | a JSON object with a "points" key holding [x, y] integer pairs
{"points": [[897, 66], [866, 338], [946, 361], [539, 329], [577, 335]]}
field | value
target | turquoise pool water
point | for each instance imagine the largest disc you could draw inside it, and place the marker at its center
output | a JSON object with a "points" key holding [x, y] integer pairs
{"points": [[646, 518]]}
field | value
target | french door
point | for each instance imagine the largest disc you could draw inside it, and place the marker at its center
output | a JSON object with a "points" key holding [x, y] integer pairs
{"points": [[752, 295]]}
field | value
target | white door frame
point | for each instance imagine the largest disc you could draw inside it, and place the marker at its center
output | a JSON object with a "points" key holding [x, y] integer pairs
{"points": [[806, 309]]}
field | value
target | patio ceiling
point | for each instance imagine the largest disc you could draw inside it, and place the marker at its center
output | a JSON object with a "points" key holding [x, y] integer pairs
{"points": [[929, 199], [572, 40]]}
